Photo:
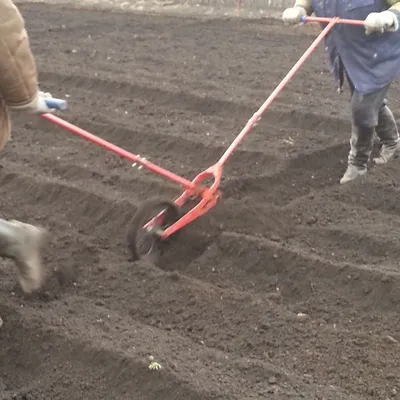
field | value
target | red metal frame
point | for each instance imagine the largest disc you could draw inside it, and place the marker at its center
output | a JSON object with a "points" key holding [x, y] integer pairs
{"points": [[207, 195], [339, 21]]}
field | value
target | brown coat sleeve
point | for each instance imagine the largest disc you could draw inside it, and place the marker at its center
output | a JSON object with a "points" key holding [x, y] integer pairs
{"points": [[394, 5], [305, 4], [18, 73]]}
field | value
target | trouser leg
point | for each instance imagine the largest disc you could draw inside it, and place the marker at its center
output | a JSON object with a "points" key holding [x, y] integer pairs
{"points": [[5, 124], [22, 243], [18, 241], [366, 112], [361, 143], [388, 134]]}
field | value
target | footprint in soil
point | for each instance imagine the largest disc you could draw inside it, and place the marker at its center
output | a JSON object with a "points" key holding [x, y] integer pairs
{"points": [[56, 282], [66, 275]]}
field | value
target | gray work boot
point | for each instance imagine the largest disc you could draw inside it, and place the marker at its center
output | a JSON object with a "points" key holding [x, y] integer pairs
{"points": [[352, 173], [22, 243], [387, 153], [361, 143]]}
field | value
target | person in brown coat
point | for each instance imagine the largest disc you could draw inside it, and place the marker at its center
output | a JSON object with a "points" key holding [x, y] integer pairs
{"points": [[19, 92]]}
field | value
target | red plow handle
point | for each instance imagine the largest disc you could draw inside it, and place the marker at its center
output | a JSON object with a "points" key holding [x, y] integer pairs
{"points": [[188, 185], [323, 20], [257, 116]]}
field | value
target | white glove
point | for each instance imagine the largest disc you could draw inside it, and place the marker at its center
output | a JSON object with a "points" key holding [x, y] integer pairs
{"points": [[292, 15], [36, 106], [385, 21]]}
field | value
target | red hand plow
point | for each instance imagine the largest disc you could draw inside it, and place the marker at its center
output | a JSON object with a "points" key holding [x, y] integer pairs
{"points": [[159, 226]]}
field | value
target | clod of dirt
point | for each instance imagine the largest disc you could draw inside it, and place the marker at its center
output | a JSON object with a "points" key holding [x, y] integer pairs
{"points": [[272, 380], [391, 339]]}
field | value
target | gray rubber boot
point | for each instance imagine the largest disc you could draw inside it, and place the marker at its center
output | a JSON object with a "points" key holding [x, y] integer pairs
{"points": [[352, 173], [361, 144], [388, 134], [22, 243]]}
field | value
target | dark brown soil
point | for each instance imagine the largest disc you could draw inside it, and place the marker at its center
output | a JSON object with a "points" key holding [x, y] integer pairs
{"points": [[222, 312]]}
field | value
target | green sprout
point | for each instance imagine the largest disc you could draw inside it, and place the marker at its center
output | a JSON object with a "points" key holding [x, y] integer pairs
{"points": [[154, 365]]}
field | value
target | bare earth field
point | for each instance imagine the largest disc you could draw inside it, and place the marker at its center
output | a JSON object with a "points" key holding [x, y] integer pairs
{"points": [[288, 289]]}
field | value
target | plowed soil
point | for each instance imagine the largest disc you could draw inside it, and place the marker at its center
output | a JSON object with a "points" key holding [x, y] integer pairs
{"points": [[288, 289]]}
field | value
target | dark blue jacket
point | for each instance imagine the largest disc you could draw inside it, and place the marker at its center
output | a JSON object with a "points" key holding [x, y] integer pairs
{"points": [[371, 61]]}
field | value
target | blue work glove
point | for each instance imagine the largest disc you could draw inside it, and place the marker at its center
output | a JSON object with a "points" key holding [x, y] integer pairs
{"points": [[36, 106]]}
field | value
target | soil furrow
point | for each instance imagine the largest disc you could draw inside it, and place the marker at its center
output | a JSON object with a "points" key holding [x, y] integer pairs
{"points": [[288, 289]]}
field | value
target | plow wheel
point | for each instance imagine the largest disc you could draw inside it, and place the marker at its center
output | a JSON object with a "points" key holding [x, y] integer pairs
{"points": [[145, 243]]}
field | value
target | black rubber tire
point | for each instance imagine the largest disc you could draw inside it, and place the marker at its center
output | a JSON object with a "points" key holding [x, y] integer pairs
{"points": [[142, 216]]}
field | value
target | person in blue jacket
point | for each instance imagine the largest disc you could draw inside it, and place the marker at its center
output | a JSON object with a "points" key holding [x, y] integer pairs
{"points": [[369, 57]]}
